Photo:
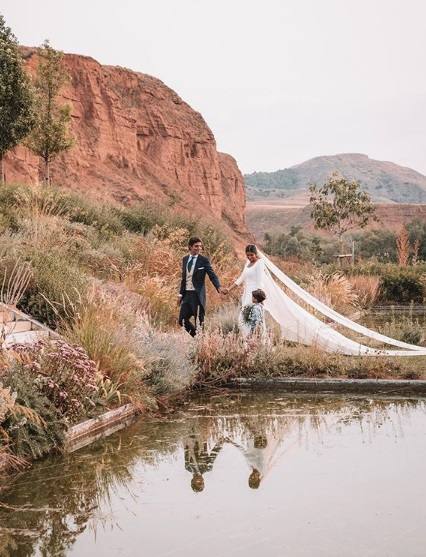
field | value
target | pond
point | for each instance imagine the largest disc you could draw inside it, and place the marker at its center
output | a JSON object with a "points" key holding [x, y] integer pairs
{"points": [[237, 474]]}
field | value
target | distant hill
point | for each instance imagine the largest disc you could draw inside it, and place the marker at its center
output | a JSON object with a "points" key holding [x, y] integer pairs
{"points": [[385, 181], [262, 218]]}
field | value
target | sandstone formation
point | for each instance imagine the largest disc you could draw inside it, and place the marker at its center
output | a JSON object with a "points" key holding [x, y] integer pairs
{"points": [[137, 139]]}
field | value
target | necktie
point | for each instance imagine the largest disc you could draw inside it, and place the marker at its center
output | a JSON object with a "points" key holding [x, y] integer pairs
{"points": [[191, 263]]}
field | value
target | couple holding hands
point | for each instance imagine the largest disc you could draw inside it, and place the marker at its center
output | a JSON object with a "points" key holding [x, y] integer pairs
{"points": [[192, 296]]}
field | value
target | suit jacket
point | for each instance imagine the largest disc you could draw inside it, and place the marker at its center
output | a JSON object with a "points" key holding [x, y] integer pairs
{"points": [[202, 268]]}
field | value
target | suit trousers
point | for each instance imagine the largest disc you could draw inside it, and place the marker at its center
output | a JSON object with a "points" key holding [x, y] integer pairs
{"points": [[191, 307]]}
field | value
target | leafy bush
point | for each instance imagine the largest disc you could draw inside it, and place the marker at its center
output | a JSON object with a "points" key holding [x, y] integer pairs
{"points": [[56, 290], [379, 244], [141, 218], [401, 287], [105, 219], [36, 427], [301, 245]]}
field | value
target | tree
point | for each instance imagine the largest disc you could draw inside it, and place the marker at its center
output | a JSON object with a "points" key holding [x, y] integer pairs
{"points": [[50, 135], [340, 205], [16, 99]]}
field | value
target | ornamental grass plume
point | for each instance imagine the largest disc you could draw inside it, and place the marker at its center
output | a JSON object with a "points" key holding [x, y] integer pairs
{"points": [[334, 290], [366, 287], [105, 329], [403, 247], [170, 368]]}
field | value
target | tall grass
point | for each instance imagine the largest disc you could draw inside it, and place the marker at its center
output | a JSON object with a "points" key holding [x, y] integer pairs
{"points": [[103, 332], [335, 290], [366, 287], [169, 361], [220, 358]]}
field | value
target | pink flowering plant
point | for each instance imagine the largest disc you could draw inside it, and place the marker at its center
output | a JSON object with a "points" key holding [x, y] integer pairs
{"points": [[65, 374]]}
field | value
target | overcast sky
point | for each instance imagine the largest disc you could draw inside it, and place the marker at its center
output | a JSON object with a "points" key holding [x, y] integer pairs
{"points": [[278, 81]]}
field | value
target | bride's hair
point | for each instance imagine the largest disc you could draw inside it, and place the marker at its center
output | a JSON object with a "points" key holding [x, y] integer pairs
{"points": [[251, 248]]}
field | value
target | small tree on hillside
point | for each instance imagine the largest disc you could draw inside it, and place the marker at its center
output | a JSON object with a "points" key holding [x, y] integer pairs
{"points": [[340, 205], [50, 135], [16, 101]]}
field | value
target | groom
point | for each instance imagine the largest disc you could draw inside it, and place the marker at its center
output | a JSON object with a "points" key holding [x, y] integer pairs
{"points": [[192, 296]]}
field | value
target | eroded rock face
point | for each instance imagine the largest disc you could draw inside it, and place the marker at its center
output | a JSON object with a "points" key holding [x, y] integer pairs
{"points": [[137, 139]]}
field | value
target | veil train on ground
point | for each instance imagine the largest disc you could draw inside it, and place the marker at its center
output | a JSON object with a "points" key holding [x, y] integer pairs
{"points": [[298, 325]]}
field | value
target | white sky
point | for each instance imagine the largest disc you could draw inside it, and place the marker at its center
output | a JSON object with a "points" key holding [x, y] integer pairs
{"points": [[278, 81]]}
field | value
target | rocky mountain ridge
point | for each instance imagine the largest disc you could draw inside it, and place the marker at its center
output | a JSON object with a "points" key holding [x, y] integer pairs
{"points": [[137, 139]]}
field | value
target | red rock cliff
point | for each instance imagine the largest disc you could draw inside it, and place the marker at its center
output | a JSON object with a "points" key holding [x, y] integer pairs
{"points": [[137, 139]]}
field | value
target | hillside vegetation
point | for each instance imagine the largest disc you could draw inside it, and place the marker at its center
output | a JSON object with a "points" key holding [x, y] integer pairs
{"points": [[385, 181]]}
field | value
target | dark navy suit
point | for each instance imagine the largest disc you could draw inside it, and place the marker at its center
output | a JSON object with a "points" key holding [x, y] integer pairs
{"points": [[193, 302]]}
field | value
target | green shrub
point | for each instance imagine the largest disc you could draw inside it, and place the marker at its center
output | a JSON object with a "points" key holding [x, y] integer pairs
{"points": [[102, 217], [29, 437], [401, 287], [142, 217], [56, 290]]}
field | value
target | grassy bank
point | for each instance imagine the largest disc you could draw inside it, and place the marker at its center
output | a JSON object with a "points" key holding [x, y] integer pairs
{"points": [[105, 278]]}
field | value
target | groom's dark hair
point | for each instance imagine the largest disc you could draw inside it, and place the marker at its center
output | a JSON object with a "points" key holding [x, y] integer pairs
{"points": [[193, 240]]}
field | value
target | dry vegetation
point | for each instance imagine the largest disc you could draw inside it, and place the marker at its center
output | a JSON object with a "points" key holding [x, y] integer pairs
{"points": [[106, 279]]}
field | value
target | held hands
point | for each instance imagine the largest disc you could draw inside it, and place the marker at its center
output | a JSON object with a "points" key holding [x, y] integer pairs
{"points": [[223, 291]]}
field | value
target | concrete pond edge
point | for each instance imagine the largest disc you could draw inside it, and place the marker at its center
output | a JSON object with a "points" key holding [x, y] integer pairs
{"points": [[404, 387], [87, 432]]}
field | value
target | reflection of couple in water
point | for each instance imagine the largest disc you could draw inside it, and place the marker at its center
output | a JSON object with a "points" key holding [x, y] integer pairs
{"points": [[257, 448], [199, 459]]}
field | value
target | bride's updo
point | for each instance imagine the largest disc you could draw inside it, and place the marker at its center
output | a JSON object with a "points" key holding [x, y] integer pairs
{"points": [[251, 248]]}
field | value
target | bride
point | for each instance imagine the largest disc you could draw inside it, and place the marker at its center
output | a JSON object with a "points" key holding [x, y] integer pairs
{"points": [[252, 279], [297, 323], [252, 275]]}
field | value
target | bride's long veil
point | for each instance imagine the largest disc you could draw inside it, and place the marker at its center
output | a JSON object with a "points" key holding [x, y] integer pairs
{"points": [[298, 325]]}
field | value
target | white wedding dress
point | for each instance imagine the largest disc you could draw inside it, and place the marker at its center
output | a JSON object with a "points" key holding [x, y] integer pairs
{"points": [[298, 325]]}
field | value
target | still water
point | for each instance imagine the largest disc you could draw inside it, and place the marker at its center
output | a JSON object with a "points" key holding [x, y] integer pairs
{"points": [[236, 474]]}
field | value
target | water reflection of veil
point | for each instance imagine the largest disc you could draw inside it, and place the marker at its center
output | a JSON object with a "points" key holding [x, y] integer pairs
{"points": [[260, 443], [260, 458]]}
